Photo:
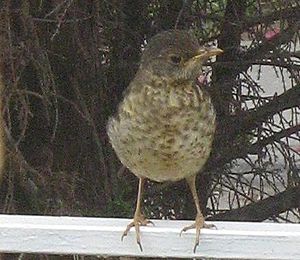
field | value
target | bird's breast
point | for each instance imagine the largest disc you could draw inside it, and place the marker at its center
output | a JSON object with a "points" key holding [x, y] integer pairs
{"points": [[164, 133]]}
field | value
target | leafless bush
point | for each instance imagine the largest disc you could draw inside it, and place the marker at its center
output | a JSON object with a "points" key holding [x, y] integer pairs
{"points": [[65, 66]]}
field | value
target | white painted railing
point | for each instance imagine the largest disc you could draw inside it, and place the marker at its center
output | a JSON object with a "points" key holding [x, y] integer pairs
{"points": [[101, 236]]}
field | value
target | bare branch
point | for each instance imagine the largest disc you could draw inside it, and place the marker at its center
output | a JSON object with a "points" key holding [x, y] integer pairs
{"points": [[287, 13], [186, 6], [268, 45], [254, 148], [264, 209], [254, 117]]}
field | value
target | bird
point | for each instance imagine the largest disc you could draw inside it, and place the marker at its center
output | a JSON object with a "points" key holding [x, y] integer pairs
{"points": [[165, 124]]}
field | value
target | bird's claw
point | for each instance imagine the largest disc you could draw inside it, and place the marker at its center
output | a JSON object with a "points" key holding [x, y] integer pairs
{"points": [[209, 226], [138, 220], [198, 225]]}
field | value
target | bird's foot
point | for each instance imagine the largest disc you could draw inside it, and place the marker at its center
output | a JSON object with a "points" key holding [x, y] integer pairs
{"points": [[198, 224], [138, 220]]}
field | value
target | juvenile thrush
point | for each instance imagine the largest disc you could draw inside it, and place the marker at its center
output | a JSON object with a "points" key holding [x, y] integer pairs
{"points": [[164, 127]]}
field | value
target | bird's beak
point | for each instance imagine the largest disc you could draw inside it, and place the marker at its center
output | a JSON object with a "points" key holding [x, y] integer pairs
{"points": [[202, 55], [208, 52]]}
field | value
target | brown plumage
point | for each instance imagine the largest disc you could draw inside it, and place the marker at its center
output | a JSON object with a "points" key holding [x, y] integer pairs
{"points": [[164, 127]]}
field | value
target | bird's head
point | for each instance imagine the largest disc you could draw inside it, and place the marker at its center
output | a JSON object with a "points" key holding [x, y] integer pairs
{"points": [[175, 55]]}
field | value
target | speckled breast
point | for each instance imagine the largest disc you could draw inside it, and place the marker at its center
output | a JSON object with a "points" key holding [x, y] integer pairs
{"points": [[163, 133]]}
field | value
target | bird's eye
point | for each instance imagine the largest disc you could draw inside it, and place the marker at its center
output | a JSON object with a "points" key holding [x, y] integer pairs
{"points": [[175, 59]]}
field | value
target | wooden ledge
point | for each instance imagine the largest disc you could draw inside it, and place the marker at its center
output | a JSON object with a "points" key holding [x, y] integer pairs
{"points": [[102, 236]]}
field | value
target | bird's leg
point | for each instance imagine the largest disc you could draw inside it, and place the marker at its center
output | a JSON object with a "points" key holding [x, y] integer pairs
{"points": [[138, 219], [199, 221]]}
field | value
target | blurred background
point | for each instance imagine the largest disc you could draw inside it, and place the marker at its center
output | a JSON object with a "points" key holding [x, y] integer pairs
{"points": [[65, 64]]}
